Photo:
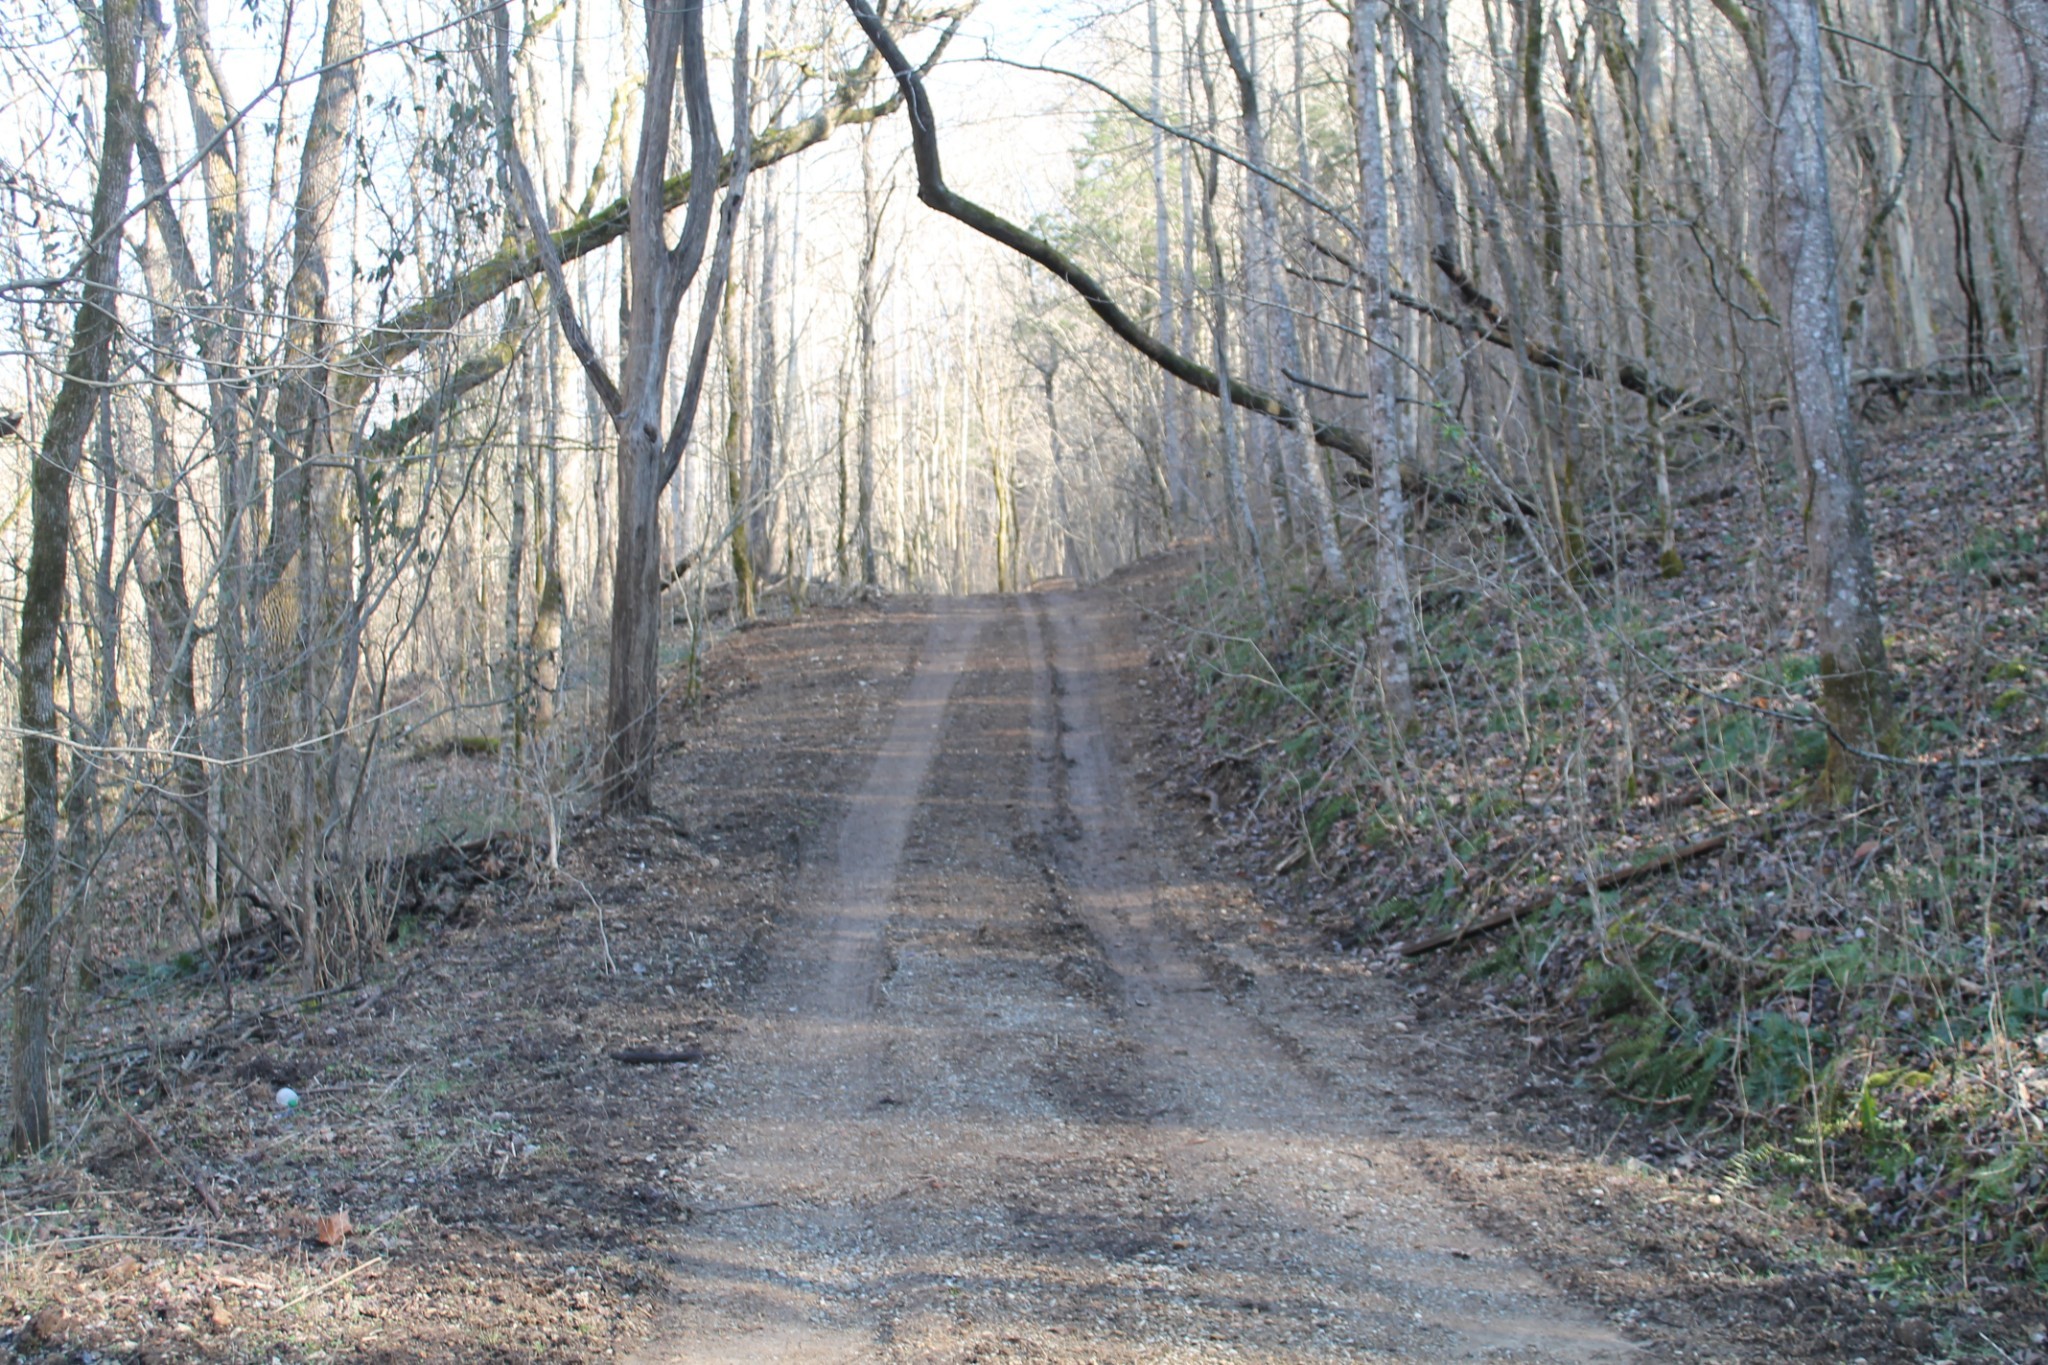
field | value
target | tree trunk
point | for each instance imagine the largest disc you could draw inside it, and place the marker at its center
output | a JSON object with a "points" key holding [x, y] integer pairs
{"points": [[301, 577], [866, 304], [1071, 562], [1559, 455], [219, 327], [1245, 527], [633, 690], [1625, 71], [659, 274], [102, 608], [1395, 645], [1172, 455], [1270, 280], [36, 984], [738, 497], [516, 673], [843, 534], [165, 594], [1190, 323], [1855, 678], [544, 647], [2023, 95], [764, 537]]}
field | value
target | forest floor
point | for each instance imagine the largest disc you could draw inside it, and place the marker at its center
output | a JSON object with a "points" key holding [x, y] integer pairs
{"points": [[982, 1048]]}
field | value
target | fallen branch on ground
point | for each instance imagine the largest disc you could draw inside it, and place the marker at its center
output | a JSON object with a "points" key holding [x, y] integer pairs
{"points": [[1606, 881], [198, 1185], [655, 1056]]}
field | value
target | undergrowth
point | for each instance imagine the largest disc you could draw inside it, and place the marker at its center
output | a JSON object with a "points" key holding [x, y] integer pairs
{"points": [[1854, 1000]]}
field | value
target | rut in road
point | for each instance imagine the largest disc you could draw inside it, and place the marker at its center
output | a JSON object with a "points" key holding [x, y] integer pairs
{"points": [[992, 1106]]}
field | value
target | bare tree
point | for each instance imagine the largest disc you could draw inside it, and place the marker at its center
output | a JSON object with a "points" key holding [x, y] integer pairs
{"points": [[867, 305], [37, 926], [1395, 646], [660, 272], [1842, 579], [1172, 451], [936, 194], [171, 276], [2023, 89], [302, 577], [1270, 281], [217, 306]]}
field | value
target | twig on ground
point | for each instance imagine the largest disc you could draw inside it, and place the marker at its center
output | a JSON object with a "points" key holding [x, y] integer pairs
{"points": [[695, 1213], [198, 1185], [1719, 950], [604, 939], [323, 1287]]}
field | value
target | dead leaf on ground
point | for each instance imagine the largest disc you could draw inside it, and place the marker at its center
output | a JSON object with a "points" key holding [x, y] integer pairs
{"points": [[331, 1229], [123, 1270], [51, 1325]]}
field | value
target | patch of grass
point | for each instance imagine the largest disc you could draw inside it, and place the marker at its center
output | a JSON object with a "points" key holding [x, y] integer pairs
{"points": [[408, 931], [1656, 1063], [1992, 546], [1325, 814]]}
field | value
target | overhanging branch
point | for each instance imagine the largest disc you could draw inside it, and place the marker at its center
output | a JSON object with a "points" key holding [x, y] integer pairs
{"points": [[932, 190]]}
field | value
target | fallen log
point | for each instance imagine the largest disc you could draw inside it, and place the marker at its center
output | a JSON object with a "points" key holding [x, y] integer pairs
{"points": [[656, 1056], [1606, 881]]}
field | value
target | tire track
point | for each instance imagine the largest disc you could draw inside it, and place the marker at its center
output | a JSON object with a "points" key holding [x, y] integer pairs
{"points": [[765, 1243], [1271, 1163], [989, 1106], [878, 820]]}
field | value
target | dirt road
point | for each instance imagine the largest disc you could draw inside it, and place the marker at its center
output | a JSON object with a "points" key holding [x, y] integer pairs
{"points": [[996, 1099], [979, 1037]]}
